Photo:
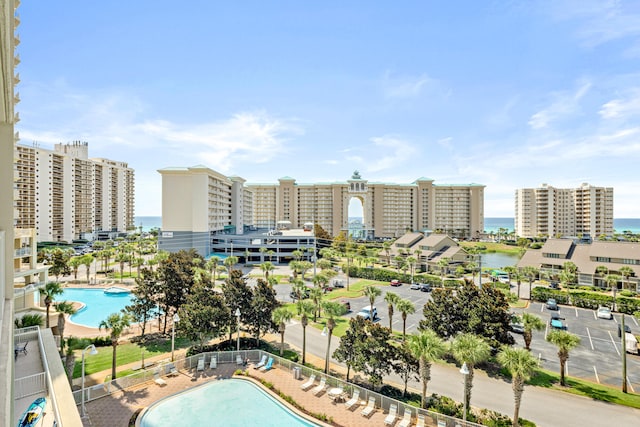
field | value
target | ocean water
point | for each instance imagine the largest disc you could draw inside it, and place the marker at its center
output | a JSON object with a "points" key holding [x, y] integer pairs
{"points": [[147, 222]]}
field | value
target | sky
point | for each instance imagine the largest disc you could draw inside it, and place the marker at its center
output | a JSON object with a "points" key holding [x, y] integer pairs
{"points": [[508, 94]]}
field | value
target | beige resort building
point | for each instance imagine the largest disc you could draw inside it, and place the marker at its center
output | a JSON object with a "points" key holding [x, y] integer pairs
{"points": [[210, 212]]}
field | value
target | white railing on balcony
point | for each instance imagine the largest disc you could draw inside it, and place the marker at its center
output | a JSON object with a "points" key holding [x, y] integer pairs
{"points": [[28, 386], [22, 252]]}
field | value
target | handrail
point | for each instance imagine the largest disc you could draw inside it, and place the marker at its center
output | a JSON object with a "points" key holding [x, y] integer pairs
{"points": [[52, 395]]}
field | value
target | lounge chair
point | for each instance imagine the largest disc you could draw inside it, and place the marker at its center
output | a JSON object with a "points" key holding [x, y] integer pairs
{"points": [[268, 366], [321, 386], [239, 360], [354, 399], [200, 366], [19, 348], [406, 420], [420, 422], [371, 406], [158, 380], [171, 370], [309, 382], [391, 418], [262, 362], [214, 363]]}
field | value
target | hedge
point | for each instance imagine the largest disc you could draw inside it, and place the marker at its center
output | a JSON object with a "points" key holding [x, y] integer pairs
{"points": [[586, 299]]}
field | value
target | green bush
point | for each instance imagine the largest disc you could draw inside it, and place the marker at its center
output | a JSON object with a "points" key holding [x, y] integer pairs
{"points": [[627, 293], [29, 320], [535, 245]]}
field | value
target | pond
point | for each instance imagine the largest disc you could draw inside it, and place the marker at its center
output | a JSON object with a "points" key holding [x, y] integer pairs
{"points": [[498, 260]]}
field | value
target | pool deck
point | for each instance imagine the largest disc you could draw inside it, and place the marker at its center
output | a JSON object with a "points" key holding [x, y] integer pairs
{"points": [[118, 408]]}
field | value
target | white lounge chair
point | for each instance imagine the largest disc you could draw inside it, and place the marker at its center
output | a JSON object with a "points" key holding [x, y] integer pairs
{"points": [[268, 366], [393, 410], [321, 386], [406, 420], [420, 422], [239, 360], [262, 362], [371, 406], [158, 380], [309, 382], [214, 363], [354, 399], [200, 366], [171, 370]]}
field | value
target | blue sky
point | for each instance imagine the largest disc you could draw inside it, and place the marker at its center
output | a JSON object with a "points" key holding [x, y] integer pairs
{"points": [[508, 94]]}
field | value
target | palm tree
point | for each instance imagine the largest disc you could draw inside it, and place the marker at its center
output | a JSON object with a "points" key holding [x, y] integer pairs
{"points": [[612, 280], [75, 263], [530, 273], [115, 323], [331, 311], [212, 266], [266, 268], [625, 272], [472, 266], [443, 265], [371, 292], [405, 307], [565, 341], [411, 261], [530, 323], [50, 291], [522, 365], [386, 247], [316, 297], [304, 308], [391, 299], [230, 262], [281, 316], [601, 271], [427, 347], [469, 349], [63, 307]]}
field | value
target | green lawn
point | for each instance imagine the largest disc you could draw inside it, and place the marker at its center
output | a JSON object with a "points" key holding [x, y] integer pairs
{"points": [[125, 353], [355, 289], [493, 247]]}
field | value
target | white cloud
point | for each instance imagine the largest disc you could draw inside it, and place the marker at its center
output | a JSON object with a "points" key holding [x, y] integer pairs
{"points": [[388, 152], [445, 142], [564, 104], [406, 86], [622, 108]]}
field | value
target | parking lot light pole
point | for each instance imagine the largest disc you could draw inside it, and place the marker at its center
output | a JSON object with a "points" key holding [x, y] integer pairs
{"points": [[237, 313], [624, 354], [176, 319], [92, 352], [465, 372]]}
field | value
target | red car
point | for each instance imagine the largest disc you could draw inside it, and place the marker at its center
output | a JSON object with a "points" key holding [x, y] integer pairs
{"points": [[395, 282]]}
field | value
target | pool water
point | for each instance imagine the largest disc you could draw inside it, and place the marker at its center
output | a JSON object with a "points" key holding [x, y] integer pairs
{"points": [[226, 403], [98, 305]]}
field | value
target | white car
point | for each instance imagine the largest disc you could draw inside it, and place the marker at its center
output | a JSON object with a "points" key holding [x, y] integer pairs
{"points": [[366, 313], [604, 313]]}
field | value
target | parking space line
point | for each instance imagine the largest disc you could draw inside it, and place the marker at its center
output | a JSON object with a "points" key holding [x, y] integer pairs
{"points": [[590, 340], [576, 309], [634, 320], [613, 342], [595, 371], [594, 316], [614, 319], [566, 368], [411, 326], [541, 308], [630, 386]]}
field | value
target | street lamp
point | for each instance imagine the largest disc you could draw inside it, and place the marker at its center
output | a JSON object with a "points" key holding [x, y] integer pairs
{"points": [[238, 328], [465, 372], [93, 352], [176, 319]]}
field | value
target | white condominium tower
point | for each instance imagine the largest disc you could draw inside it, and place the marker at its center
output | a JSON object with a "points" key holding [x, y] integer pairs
{"points": [[556, 212], [65, 195], [388, 209]]}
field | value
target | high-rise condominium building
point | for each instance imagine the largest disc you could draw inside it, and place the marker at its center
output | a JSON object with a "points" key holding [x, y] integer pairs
{"points": [[388, 209], [198, 202], [555, 212], [65, 195]]}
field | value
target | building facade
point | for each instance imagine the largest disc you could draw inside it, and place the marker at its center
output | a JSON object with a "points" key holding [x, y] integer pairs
{"points": [[66, 195], [389, 210], [556, 212]]}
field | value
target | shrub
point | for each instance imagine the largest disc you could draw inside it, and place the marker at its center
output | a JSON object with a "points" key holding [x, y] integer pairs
{"points": [[535, 245], [29, 320]]}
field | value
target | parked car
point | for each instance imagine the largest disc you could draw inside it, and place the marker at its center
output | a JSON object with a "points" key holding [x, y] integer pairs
{"points": [[337, 283], [552, 304], [346, 304], [305, 294], [556, 315], [366, 313], [395, 282], [516, 325], [554, 285], [604, 313], [557, 324], [415, 286], [425, 287]]}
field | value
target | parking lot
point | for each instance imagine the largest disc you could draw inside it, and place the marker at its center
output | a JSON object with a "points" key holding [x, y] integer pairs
{"points": [[598, 357]]}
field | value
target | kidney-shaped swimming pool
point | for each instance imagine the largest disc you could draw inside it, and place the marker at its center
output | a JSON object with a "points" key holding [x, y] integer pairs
{"points": [[97, 304], [229, 403]]}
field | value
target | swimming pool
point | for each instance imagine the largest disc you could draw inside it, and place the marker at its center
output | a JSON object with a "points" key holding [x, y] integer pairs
{"points": [[232, 402], [98, 305]]}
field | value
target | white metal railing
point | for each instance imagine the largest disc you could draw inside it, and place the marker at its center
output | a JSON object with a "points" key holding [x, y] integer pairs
{"points": [[51, 394], [28, 386]]}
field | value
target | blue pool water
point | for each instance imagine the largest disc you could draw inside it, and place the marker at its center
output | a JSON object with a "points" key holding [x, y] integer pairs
{"points": [[98, 305], [226, 403]]}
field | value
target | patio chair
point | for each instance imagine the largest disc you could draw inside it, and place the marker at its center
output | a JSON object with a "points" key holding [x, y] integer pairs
{"points": [[200, 366], [391, 418], [262, 362], [268, 366], [214, 363], [19, 348], [370, 408], [321, 386], [158, 380], [420, 422], [171, 370], [239, 360], [406, 420], [354, 399], [309, 382]]}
